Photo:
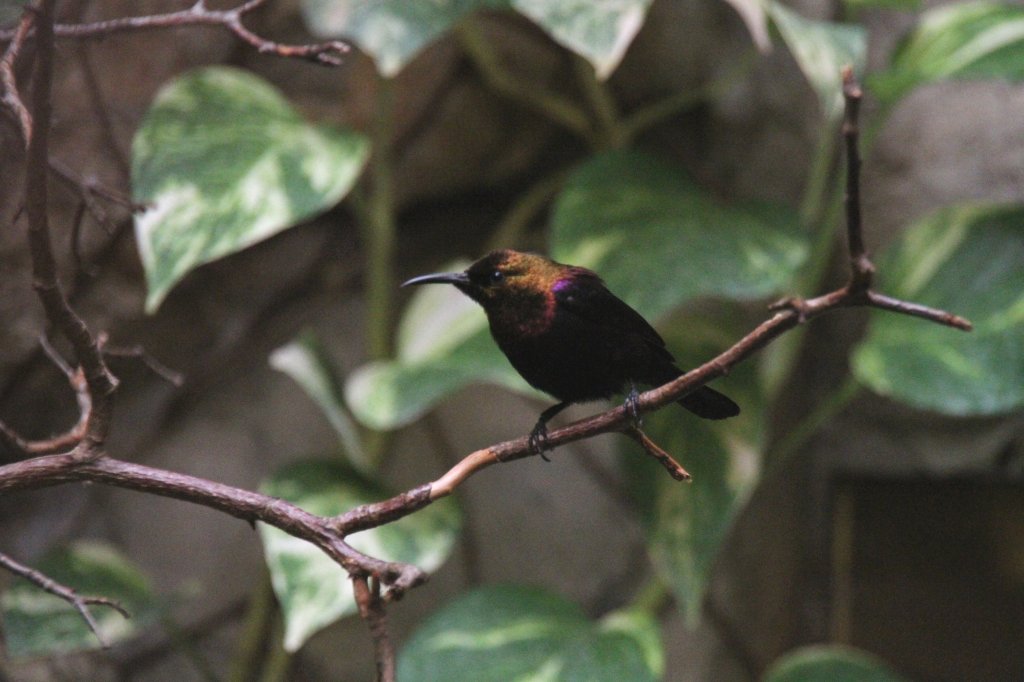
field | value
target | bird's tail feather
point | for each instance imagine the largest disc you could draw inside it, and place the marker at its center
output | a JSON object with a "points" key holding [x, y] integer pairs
{"points": [[708, 403]]}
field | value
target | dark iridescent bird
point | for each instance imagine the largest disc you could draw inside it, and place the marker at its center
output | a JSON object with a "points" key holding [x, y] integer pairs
{"points": [[569, 336]]}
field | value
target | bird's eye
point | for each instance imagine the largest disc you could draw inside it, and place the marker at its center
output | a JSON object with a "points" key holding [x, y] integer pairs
{"points": [[497, 277]]}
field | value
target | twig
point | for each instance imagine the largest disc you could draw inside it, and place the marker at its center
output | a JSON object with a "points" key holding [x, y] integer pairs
{"points": [[327, 53], [34, 130], [674, 468], [80, 602], [171, 376], [371, 610], [861, 269]]}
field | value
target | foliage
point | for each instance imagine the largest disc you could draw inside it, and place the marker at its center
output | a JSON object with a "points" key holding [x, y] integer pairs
{"points": [[520, 633], [225, 161]]}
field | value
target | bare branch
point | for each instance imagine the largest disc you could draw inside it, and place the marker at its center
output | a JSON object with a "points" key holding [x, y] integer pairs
{"points": [[326, 533], [674, 468], [862, 270], [80, 602], [371, 610], [327, 53]]}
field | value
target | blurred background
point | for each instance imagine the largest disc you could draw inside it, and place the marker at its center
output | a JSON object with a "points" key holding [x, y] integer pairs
{"points": [[868, 501]]}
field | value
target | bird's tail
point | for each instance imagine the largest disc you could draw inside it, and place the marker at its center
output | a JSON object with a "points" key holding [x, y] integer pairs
{"points": [[708, 403]]}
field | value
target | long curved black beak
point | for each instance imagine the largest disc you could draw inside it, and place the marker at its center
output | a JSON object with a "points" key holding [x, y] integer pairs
{"points": [[455, 278]]}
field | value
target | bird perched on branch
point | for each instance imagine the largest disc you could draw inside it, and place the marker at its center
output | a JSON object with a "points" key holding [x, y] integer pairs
{"points": [[569, 336]]}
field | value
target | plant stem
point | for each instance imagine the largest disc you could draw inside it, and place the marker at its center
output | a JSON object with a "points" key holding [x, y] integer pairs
{"points": [[610, 131], [517, 219], [255, 631], [558, 109], [379, 231], [812, 422]]}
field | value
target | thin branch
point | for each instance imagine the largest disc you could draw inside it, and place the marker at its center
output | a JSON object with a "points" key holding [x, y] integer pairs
{"points": [[327, 53], [674, 468], [173, 377], [80, 602], [861, 269], [11, 98], [35, 129], [326, 533], [371, 610]]}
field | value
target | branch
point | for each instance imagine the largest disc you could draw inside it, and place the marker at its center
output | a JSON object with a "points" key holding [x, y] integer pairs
{"points": [[324, 532], [326, 53], [66, 593], [371, 610], [788, 313], [34, 129]]}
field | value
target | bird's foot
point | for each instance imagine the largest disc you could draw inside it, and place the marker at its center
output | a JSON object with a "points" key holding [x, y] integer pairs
{"points": [[633, 406], [539, 440]]}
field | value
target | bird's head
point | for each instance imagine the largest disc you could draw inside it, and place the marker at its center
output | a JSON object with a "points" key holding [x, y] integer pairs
{"points": [[502, 277]]}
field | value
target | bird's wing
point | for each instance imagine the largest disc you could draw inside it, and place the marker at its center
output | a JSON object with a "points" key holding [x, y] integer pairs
{"points": [[592, 302]]}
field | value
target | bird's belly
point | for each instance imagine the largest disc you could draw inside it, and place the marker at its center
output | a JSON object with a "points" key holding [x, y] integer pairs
{"points": [[575, 372]]}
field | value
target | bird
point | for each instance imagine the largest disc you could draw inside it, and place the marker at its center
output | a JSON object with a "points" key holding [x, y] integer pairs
{"points": [[569, 336]]}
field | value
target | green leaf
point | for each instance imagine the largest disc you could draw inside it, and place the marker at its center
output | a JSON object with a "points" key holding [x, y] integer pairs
{"points": [[505, 633], [966, 260], [37, 623], [600, 32], [658, 241], [312, 589], [687, 523], [305, 361], [822, 49], [830, 663], [225, 162], [860, 5], [393, 32], [752, 12], [390, 31], [969, 40], [443, 345]]}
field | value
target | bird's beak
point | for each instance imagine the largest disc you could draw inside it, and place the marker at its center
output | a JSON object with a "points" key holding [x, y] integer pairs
{"points": [[456, 278]]}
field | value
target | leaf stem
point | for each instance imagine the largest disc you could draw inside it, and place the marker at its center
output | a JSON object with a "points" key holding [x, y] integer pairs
{"points": [[379, 230], [559, 110]]}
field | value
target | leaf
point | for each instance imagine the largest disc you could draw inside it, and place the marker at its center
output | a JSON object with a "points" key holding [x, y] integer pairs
{"points": [[305, 361], [226, 162], [753, 14], [966, 260], [687, 523], [443, 344], [969, 40], [393, 32], [37, 623], [658, 241], [822, 49], [860, 5], [508, 632], [830, 663], [312, 589], [390, 31], [600, 32]]}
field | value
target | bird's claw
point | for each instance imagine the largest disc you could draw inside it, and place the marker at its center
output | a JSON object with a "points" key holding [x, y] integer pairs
{"points": [[539, 440], [633, 407]]}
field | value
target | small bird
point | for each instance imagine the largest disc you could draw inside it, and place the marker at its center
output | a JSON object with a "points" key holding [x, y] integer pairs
{"points": [[569, 336]]}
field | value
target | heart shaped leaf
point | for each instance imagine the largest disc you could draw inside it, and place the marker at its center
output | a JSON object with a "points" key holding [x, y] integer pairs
{"points": [[504, 633], [967, 260], [312, 589], [224, 162]]}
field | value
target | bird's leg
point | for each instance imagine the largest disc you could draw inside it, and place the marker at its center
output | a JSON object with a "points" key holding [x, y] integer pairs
{"points": [[539, 434], [633, 406]]}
